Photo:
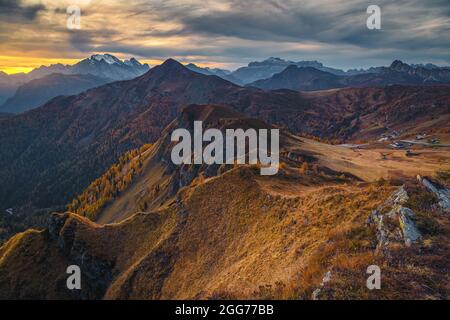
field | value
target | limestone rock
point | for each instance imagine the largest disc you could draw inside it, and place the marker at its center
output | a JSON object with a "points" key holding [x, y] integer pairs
{"points": [[410, 233], [406, 231], [442, 194]]}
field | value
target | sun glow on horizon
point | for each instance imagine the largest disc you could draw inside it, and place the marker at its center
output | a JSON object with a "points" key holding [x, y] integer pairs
{"points": [[16, 70], [13, 65], [16, 65]]}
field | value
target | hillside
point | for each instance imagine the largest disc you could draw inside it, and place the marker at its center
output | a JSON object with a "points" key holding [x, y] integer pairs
{"points": [[227, 232], [365, 114], [154, 179], [106, 121], [4, 115]]}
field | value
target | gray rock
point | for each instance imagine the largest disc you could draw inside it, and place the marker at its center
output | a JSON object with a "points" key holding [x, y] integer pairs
{"points": [[410, 233], [406, 232], [442, 194], [326, 278]]}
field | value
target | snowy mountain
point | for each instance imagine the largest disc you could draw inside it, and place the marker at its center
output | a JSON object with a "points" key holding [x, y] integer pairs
{"points": [[110, 67], [104, 66], [100, 65]]}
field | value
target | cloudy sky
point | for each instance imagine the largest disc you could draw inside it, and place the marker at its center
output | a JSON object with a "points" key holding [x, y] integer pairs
{"points": [[224, 33]]}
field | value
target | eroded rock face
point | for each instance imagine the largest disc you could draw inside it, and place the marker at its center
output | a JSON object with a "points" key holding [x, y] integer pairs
{"points": [[442, 194], [397, 223]]}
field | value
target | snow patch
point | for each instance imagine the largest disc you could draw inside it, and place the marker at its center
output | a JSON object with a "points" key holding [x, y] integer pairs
{"points": [[108, 58]]}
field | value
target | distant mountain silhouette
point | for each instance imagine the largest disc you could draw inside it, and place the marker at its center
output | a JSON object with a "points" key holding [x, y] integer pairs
{"points": [[259, 70], [306, 79], [34, 93], [310, 79], [224, 74], [104, 66]]}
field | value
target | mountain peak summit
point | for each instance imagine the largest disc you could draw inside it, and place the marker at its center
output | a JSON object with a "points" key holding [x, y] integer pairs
{"points": [[172, 65], [399, 65], [171, 62]]}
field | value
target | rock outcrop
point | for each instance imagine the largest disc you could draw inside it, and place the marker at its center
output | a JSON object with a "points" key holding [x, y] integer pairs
{"points": [[325, 280], [443, 194], [394, 221]]}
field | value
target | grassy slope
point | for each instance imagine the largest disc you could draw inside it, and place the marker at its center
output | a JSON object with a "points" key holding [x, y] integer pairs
{"points": [[25, 261], [367, 165], [247, 243]]}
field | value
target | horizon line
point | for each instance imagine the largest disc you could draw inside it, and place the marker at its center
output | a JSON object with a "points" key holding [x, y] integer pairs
{"points": [[155, 62]]}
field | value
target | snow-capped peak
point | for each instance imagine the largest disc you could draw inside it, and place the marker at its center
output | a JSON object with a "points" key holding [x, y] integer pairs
{"points": [[108, 58], [132, 62]]}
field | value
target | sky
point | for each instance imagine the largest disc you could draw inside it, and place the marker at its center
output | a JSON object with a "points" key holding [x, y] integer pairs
{"points": [[224, 33]]}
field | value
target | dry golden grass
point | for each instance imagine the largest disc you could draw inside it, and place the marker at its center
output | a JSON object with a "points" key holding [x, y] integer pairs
{"points": [[231, 237], [25, 261]]}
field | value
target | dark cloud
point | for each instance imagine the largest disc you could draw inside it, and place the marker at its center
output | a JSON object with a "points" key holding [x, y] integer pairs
{"points": [[341, 22], [89, 40], [15, 10], [406, 24]]}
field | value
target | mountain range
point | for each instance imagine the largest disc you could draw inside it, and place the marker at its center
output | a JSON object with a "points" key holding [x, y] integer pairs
{"points": [[100, 65], [272, 73], [60, 138], [259, 70], [106, 121], [27, 91], [311, 79]]}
